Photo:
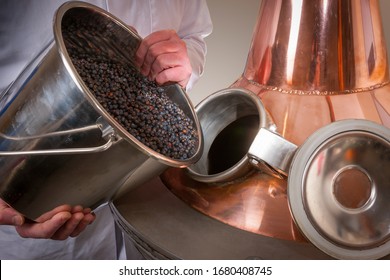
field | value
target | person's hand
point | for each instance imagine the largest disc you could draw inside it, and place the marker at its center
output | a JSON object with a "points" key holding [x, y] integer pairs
{"points": [[162, 56], [58, 224]]}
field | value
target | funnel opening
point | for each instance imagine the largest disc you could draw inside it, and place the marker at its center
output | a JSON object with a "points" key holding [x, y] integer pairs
{"points": [[230, 120]]}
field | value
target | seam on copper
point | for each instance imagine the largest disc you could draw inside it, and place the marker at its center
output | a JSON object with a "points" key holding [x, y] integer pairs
{"points": [[318, 92]]}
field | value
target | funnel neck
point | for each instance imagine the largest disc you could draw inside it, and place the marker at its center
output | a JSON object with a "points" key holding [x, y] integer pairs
{"points": [[320, 46]]}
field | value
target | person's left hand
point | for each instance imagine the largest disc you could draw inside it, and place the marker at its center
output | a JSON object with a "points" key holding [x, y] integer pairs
{"points": [[162, 56], [58, 224]]}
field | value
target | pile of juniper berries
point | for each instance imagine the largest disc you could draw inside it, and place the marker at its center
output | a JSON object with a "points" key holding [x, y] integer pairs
{"points": [[139, 105]]}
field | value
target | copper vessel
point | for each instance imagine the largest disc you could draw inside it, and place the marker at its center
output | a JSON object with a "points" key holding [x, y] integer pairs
{"points": [[311, 63]]}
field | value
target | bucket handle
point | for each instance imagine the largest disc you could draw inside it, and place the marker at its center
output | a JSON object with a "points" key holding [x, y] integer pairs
{"points": [[111, 139]]}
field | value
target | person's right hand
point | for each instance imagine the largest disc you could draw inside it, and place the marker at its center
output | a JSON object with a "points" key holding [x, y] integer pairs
{"points": [[162, 57], [58, 224]]}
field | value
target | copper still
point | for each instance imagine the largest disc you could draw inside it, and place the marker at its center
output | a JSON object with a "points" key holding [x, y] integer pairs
{"points": [[321, 72]]}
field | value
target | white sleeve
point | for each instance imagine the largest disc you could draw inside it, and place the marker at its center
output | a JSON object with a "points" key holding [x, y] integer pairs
{"points": [[189, 18], [195, 27]]}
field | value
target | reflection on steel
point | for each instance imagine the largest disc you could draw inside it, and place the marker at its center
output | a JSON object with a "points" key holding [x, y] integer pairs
{"points": [[338, 189], [311, 63], [227, 117]]}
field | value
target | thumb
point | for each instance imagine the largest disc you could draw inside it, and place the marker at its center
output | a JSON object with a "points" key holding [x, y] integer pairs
{"points": [[9, 216]]}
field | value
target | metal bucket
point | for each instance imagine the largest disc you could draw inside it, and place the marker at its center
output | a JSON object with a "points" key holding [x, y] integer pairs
{"points": [[58, 145]]}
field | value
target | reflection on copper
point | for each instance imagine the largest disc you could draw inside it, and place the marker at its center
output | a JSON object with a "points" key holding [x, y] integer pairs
{"points": [[311, 62], [296, 15], [318, 47], [256, 203], [352, 188], [316, 62]]}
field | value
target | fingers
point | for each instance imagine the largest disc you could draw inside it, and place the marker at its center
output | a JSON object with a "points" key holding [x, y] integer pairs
{"points": [[59, 224], [173, 48], [46, 229], [147, 42], [162, 56], [69, 227], [80, 219], [89, 218], [176, 74], [168, 67], [48, 215]]}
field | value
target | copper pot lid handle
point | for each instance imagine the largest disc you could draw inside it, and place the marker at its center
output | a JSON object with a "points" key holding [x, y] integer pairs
{"points": [[338, 185]]}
